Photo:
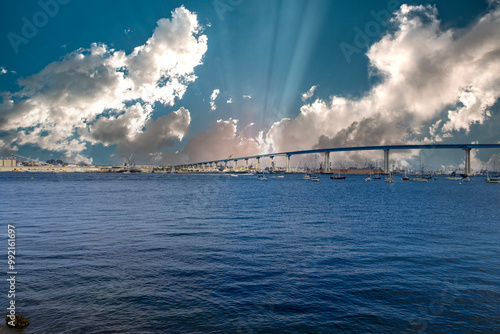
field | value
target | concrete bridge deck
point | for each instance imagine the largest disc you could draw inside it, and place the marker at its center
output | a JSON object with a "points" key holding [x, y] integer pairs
{"points": [[385, 148]]}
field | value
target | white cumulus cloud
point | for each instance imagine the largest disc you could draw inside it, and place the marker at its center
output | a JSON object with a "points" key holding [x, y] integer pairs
{"points": [[102, 95], [214, 95], [307, 95], [434, 83]]}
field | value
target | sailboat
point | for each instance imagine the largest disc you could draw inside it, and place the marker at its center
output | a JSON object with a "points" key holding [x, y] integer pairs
{"points": [[405, 178], [495, 179], [313, 177], [262, 177], [339, 177], [377, 176], [453, 177], [369, 178], [307, 175], [389, 178], [422, 178]]}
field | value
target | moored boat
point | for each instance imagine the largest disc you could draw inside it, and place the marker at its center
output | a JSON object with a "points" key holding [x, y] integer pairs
{"points": [[262, 177], [389, 178], [453, 177], [495, 179], [337, 177], [419, 179]]}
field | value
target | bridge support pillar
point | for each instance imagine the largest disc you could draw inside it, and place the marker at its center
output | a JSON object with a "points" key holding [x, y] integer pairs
{"points": [[287, 170], [258, 164], [327, 162], [271, 162], [386, 161], [235, 163], [246, 164], [467, 171]]}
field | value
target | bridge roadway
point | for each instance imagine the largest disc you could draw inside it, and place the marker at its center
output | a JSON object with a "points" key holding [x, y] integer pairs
{"points": [[326, 151]]}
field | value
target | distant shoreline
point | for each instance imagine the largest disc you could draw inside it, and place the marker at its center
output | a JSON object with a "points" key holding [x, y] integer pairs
{"points": [[160, 170]]}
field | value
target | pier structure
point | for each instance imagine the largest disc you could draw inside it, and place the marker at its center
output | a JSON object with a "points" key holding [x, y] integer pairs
{"points": [[468, 170], [287, 169], [327, 162], [386, 161]]}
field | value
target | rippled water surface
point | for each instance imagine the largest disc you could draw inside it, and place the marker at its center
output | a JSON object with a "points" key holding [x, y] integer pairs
{"points": [[110, 253]]}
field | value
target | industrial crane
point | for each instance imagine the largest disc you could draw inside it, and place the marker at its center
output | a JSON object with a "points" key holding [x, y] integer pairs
{"points": [[27, 159]]}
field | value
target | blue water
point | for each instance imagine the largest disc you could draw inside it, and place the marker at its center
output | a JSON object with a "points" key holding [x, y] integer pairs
{"points": [[110, 253]]}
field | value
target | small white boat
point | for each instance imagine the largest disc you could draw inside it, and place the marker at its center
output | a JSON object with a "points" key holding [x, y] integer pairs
{"points": [[453, 177], [314, 178], [281, 176], [495, 179], [466, 179], [306, 177], [262, 177], [368, 178], [418, 179], [389, 178], [234, 175]]}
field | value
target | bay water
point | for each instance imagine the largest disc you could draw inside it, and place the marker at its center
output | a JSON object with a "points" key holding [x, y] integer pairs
{"points": [[210, 253]]}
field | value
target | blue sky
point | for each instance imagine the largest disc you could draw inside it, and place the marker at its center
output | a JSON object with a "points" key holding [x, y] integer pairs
{"points": [[62, 96]]}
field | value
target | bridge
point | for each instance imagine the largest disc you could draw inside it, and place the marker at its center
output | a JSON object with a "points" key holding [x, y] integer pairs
{"points": [[326, 151]]}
